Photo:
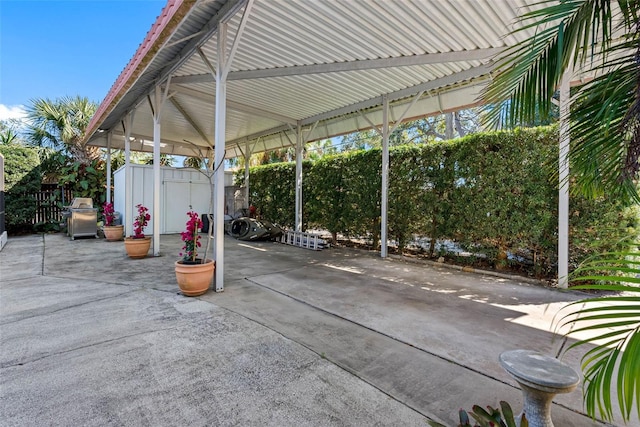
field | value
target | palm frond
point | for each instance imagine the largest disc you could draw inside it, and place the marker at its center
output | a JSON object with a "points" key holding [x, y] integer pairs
{"points": [[602, 152], [583, 36], [613, 325], [529, 72], [61, 123]]}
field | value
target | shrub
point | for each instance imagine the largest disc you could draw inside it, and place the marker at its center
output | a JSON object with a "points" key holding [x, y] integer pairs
{"points": [[493, 193], [22, 179], [325, 200]]}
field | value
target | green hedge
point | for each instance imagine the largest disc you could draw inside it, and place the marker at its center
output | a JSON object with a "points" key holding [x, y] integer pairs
{"points": [[22, 179], [492, 193], [324, 184], [273, 191], [504, 199]]}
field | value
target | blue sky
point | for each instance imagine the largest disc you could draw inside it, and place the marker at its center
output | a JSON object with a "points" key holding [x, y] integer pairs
{"points": [[50, 48]]}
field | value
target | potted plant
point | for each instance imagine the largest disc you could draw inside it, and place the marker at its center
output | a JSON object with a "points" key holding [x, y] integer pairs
{"points": [[490, 417], [137, 246], [111, 232], [193, 274]]}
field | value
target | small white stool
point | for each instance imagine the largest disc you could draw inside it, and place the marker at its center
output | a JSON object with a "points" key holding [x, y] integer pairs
{"points": [[540, 378]]}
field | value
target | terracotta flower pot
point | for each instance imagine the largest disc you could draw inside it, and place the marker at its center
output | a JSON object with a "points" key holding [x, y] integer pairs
{"points": [[137, 248], [194, 279], [113, 232]]}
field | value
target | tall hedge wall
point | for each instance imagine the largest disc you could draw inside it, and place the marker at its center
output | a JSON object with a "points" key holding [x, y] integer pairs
{"points": [[491, 192], [22, 179]]}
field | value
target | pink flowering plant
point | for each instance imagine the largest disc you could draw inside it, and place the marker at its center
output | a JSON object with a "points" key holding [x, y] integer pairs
{"points": [[141, 222], [109, 214], [191, 238]]}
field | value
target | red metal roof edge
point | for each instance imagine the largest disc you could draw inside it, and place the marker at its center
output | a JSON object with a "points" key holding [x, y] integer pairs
{"points": [[136, 66]]}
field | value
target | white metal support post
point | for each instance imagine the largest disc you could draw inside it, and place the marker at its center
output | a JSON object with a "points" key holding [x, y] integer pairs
{"points": [[157, 115], [299, 145], [223, 66], [384, 133], [247, 158], [301, 141], [221, 113], [128, 191], [385, 176], [563, 195], [109, 135]]}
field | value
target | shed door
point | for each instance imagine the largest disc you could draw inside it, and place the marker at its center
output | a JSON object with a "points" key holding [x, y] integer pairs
{"points": [[181, 196], [176, 201]]}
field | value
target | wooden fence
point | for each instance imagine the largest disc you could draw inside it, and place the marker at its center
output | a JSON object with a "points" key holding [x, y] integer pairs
{"points": [[50, 201]]}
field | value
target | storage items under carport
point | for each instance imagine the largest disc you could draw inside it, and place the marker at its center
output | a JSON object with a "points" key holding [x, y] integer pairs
{"points": [[82, 218]]}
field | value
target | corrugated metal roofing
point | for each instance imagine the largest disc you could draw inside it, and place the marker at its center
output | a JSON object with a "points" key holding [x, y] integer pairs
{"points": [[396, 47]]}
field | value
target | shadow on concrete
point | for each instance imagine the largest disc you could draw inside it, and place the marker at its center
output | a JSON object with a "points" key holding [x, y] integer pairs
{"points": [[338, 337]]}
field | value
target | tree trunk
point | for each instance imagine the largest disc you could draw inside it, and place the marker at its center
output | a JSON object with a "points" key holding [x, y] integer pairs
{"points": [[375, 235], [458, 123], [84, 154], [432, 240], [448, 119]]}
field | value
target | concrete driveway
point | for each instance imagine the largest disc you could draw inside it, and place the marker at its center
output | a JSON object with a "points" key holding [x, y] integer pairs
{"points": [[338, 337]]}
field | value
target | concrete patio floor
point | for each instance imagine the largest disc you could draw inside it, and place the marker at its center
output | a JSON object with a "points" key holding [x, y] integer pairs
{"points": [[338, 337]]}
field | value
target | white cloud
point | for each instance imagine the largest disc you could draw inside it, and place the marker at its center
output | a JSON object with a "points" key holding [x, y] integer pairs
{"points": [[12, 112]]}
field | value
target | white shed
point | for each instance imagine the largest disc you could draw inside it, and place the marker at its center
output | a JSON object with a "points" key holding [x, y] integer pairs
{"points": [[181, 189]]}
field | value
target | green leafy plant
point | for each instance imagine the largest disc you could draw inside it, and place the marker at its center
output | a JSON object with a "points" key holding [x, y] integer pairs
{"points": [[587, 37], [362, 178], [22, 181], [61, 123], [325, 198], [272, 191], [614, 323], [84, 180], [490, 192], [491, 417]]}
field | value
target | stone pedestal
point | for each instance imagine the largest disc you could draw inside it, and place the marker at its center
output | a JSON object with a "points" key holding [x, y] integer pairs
{"points": [[540, 378]]}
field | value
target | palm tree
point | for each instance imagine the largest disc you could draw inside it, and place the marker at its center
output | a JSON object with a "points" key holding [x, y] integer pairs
{"points": [[9, 131], [62, 124], [599, 38]]}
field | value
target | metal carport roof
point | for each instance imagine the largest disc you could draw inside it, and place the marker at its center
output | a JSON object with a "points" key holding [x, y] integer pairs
{"points": [[274, 73], [322, 64]]}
